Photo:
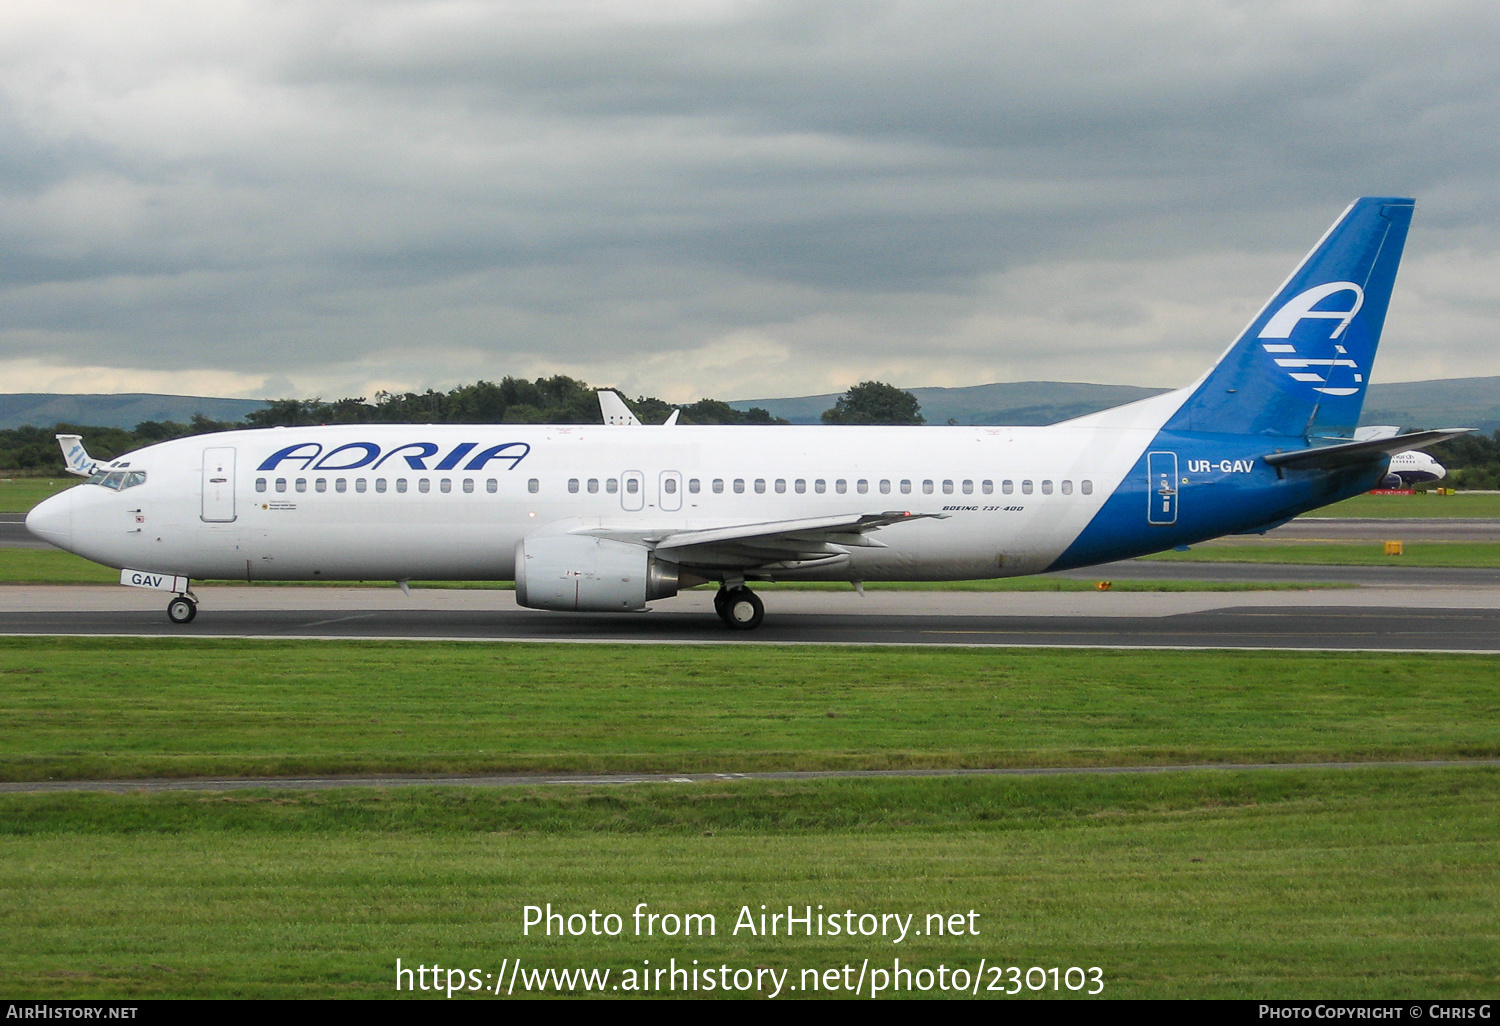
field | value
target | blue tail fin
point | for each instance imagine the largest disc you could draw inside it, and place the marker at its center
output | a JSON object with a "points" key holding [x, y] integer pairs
{"points": [[1302, 365]]}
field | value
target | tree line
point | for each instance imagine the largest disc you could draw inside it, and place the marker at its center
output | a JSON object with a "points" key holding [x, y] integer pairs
{"points": [[552, 400]]}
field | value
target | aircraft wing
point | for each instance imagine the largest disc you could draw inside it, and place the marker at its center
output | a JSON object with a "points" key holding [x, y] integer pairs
{"points": [[776, 543], [1352, 453]]}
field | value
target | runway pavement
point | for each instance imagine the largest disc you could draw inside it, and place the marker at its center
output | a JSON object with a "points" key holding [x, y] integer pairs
{"points": [[1441, 619], [13, 533]]}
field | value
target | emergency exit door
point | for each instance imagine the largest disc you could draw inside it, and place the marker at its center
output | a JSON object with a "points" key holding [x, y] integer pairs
{"points": [[1161, 467], [218, 485]]}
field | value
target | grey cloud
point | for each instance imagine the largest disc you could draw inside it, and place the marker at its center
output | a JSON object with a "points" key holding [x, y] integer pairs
{"points": [[423, 186]]}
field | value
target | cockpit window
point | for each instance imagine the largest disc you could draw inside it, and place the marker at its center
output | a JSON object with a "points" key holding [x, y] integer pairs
{"points": [[117, 480]]}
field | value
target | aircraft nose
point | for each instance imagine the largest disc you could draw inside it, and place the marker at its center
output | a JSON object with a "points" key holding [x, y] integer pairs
{"points": [[52, 520]]}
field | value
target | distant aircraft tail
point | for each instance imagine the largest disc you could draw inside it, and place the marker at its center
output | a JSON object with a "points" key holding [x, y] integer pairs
{"points": [[76, 458], [1302, 365]]}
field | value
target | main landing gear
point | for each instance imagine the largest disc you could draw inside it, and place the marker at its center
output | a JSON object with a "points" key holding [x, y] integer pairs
{"points": [[182, 609], [739, 607]]}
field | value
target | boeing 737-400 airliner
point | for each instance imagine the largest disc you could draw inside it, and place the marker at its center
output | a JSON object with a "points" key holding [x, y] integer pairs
{"points": [[610, 518]]}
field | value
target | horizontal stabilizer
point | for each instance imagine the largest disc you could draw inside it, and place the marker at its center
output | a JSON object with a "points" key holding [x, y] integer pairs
{"points": [[1353, 453]]}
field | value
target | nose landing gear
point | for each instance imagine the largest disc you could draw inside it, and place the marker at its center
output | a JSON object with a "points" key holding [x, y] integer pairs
{"points": [[739, 607], [182, 609]]}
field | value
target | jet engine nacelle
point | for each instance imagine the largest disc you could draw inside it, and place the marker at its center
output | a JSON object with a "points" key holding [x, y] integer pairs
{"points": [[580, 574]]}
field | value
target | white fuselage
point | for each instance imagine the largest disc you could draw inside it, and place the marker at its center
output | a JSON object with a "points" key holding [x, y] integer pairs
{"points": [[1013, 498]]}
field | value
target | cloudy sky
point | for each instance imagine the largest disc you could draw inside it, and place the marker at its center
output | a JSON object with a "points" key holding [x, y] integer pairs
{"points": [[731, 198]]}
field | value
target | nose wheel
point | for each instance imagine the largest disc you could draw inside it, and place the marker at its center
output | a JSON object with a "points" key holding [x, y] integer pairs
{"points": [[182, 609], [740, 608]]}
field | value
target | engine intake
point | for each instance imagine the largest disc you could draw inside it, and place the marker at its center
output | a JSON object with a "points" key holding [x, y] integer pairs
{"points": [[580, 574]]}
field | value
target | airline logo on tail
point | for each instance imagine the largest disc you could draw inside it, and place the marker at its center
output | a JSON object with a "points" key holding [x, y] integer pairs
{"points": [[1307, 368]]}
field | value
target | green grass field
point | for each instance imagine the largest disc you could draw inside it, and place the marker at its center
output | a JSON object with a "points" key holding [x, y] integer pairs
{"points": [[1464, 504], [1329, 884], [153, 707], [18, 495], [1297, 882], [1339, 553]]}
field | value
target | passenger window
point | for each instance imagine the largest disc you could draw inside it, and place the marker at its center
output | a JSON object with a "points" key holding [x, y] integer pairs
{"points": [[1025, 487], [841, 486], [321, 484], [780, 486], [424, 484], [926, 487], [1067, 487], [799, 486], [739, 485], [669, 486], [1007, 486], [632, 485], [862, 486], [593, 486], [469, 484], [1088, 488], [400, 484], [533, 486], [692, 486], [987, 487], [820, 486], [280, 484], [968, 487], [760, 486], [340, 484], [905, 486], [611, 486], [885, 486], [1046, 487], [445, 485], [947, 487], [359, 484], [492, 486], [718, 486], [573, 485], [380, 484], [260, 484]]}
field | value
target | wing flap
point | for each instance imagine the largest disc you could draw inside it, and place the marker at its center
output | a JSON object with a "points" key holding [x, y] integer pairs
{"points": [[774, 543]]}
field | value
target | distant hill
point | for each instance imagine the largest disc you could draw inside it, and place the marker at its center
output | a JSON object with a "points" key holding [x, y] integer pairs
{"points": [[44, 409], [1449, 402], [1007, 402]]}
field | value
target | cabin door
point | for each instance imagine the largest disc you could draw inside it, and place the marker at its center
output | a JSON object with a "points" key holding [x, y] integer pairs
{"points": [[218, 485], [1162, 493]]}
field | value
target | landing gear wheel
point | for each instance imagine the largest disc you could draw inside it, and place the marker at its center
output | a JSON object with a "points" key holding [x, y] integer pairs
{"points": [[740, 608], [182, 610]]}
